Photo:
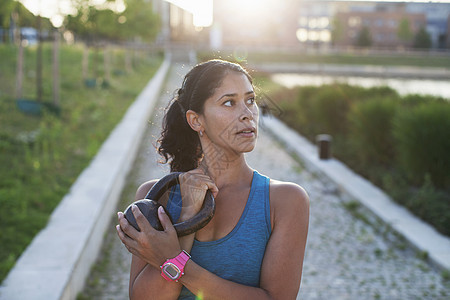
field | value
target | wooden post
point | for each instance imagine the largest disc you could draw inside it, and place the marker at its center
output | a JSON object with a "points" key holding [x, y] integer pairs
{"points": [[95, 61], [39, 90], [16, 33], [19, 72], [127, 60], [107, 64], [56, 68], [85, 62]]}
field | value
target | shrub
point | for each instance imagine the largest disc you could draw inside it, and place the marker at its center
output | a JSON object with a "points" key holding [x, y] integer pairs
{"points": [[324, 111], [422, 136], [398, 143], [416, 99], [371, 130], [431, 205], [303, 109]]}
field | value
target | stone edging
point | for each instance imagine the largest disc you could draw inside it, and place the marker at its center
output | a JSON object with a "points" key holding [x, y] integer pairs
{"points": [[417, 233], [58, 260]]}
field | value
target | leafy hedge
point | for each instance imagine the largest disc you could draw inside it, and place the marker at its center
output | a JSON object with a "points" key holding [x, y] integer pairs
{"points": [[401, 144]]}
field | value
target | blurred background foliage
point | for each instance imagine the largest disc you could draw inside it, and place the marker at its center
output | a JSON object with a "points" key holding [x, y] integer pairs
{"points": [[43, 152], [136, 22], [90, 23], [400, 143]]}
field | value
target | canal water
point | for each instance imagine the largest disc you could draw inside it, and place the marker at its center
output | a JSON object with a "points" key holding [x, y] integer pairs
{"points": [[439, 88]]}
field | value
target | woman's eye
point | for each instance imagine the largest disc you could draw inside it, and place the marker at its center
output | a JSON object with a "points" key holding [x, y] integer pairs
{"points": [[228, 103], [251, 100]]}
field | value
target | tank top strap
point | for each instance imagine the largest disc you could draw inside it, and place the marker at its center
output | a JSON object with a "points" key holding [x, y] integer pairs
{"points": [[258, 206]]}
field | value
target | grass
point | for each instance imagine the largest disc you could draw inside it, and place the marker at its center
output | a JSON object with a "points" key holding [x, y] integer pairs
{"points": [[42, 155], [355, 58]]}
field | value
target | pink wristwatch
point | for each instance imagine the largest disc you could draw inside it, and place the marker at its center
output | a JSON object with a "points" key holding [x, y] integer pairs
{"points": [[173, 268]]}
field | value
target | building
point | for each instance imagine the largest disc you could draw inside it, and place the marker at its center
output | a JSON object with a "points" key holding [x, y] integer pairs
{"points": [[437, 15], [386, 29], [308, 24], [338, 23], [448, 32], [176, 22]]}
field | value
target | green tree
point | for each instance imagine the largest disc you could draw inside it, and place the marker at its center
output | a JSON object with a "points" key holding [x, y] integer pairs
{"points": [[364, 38], [140, 21], [337, 31], [13, 10], [6, 8], [92, 23], [422, 39], [404, 32]]}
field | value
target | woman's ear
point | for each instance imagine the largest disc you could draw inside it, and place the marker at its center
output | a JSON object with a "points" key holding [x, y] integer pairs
{"points": [[193, 120]]}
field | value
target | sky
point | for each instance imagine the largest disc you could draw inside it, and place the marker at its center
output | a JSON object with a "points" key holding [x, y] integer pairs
{"points": [[201, 9], [57, 9]]}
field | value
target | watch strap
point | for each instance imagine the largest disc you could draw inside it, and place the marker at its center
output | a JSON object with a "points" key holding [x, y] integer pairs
{"points": [[179, 261], [182, 258]]}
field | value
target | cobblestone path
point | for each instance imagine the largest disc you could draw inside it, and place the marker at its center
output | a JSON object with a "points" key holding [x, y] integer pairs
{"points": [[345, 257]]}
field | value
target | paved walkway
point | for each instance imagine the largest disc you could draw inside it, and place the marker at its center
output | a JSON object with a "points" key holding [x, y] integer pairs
{"points": [[345, 257]]}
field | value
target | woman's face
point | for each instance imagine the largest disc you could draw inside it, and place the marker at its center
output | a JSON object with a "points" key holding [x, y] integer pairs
{"points": [[230, 115]]}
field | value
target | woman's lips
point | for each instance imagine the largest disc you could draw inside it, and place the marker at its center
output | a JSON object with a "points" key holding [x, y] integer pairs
{"points": [[247, 132]]}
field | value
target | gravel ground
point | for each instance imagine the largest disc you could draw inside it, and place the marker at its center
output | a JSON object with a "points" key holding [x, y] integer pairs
{"points": [[346, 258]]}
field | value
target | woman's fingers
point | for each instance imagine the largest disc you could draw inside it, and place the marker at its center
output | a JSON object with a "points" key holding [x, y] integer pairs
{"points": [[142, 221], [197, 179], [165, 221], [213, 188], [129, 243], [149, 244], [126, 226]]}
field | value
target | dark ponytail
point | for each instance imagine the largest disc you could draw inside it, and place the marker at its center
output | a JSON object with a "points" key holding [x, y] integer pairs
{"points": [[179, 144]]}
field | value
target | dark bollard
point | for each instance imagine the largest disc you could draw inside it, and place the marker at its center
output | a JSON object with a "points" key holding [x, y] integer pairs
{"points": [[324, 145]]}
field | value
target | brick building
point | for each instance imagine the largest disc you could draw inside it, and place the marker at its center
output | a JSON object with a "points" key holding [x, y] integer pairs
{"points": [[386, 29]]}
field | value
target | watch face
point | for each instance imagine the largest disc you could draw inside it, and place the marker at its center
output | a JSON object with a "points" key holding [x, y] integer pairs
{"points": [[171, 270]]}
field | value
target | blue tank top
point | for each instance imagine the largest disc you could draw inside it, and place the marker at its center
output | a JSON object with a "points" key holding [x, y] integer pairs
{"points": [[238, 256]]}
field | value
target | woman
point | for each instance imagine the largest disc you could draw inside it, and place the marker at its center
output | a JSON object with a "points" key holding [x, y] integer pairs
{"points": [[253, 247]]}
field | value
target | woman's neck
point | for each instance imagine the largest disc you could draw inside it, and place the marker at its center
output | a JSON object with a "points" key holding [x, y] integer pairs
{"points": [[225, 168]]}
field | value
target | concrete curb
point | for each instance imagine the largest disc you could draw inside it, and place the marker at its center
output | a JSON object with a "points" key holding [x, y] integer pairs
{"points": [[58, 260], [419, 234]]}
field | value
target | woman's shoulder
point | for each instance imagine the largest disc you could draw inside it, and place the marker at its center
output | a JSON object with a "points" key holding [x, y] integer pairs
{"points": [[144, 188], [288, 198], [287, 190]]}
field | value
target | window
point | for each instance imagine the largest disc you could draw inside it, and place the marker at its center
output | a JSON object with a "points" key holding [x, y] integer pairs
{"points": [[325, 36], [354, 21], [303, 21], [302, 35], [313, 36], [324, 22], [379, 22], [312, 23]]}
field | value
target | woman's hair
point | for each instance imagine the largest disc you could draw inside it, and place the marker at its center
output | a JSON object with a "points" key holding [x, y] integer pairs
{"points": [[179, 144]]}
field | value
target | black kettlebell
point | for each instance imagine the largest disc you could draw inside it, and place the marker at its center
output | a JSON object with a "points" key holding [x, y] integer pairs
{"points": [[149, 208]]}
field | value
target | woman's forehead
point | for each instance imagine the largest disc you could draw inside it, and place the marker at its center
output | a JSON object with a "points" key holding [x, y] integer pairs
{"points": [[234, 82]]}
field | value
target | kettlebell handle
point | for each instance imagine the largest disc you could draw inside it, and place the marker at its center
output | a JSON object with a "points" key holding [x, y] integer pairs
{"points": [[149, 208]]}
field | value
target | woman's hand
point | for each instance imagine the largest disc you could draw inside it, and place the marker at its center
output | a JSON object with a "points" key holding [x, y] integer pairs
{"points": [[193, 186], [150, 245]]}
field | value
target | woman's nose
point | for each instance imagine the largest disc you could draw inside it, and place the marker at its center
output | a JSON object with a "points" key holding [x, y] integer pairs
{"points": [[247, 113]]}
